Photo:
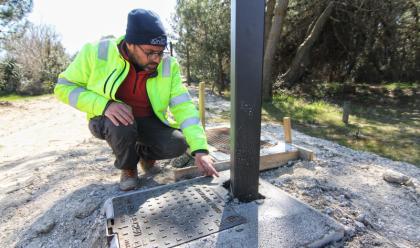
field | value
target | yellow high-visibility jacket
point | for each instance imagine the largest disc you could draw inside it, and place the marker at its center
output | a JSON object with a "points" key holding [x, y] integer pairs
{"points": [[97, 72]]}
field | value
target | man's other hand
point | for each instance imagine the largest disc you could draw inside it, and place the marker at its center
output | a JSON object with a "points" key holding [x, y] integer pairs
{"points": [[119, 113], [204, 162]]}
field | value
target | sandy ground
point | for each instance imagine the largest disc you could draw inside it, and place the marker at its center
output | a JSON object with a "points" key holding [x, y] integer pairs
{"points": [[56, 176]]}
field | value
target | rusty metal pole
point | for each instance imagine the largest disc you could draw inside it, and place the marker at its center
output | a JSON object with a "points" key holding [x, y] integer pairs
{"points": [[247, 47]]}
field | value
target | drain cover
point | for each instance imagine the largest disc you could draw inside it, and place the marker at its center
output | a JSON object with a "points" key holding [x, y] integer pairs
{"points": [[167, 216]]}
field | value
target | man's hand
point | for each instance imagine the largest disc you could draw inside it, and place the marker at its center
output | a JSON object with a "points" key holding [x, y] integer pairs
{"points": [[119, 113], [204, 163]]}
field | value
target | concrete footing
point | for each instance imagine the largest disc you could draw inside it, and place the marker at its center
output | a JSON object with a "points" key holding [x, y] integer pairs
{"points": [[278, 220]]}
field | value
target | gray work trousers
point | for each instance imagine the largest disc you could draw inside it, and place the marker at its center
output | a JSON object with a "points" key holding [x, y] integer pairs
{"points": [[147, 138]]}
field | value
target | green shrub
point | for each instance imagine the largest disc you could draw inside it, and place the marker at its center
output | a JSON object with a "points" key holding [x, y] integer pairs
{"points": [[10, 76]]}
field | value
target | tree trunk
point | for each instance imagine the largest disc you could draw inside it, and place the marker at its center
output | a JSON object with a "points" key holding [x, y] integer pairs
{"points": [[270, 49], [295, 70], [221, 87], [212, 88], [269, 12], [188, 67]]}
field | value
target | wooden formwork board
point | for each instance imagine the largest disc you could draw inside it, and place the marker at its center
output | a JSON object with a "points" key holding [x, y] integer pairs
{"points": [[272, 155], [266, 162], [305, 153]]}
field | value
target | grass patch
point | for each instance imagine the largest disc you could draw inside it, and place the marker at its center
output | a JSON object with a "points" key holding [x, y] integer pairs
{"points": [[401, 85], [15, 97], [390, 131]]}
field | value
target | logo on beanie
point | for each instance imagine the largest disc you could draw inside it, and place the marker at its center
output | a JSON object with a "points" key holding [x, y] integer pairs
{"points": [[160, 41]]}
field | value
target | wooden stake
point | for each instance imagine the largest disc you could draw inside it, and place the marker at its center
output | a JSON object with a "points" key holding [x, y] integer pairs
{"points": [[201, 101], [346, 112], [287, 128]]}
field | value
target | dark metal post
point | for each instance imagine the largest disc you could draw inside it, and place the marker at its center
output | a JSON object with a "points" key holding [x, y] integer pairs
{"points": [[171, 48], [247, 46]]}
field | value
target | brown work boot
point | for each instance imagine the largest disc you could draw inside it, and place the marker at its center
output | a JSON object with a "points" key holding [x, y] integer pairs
{"points": [[150, 167], [128, 180]]}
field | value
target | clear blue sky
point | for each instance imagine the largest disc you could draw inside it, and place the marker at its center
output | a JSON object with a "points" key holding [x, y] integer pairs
{"points": [[81, 21]]}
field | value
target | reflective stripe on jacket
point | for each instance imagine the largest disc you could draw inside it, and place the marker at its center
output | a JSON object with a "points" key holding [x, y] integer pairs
{"points": [[94, 76]]}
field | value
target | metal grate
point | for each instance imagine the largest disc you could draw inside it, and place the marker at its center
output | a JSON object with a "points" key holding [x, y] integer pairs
{"points": [[169, 216], [219, 138]]}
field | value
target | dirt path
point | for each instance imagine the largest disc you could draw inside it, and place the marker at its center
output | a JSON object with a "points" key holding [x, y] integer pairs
{"points": [[55, 178]]}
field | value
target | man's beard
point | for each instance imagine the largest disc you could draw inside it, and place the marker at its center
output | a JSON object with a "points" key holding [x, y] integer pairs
{"points": [[150, 67]]}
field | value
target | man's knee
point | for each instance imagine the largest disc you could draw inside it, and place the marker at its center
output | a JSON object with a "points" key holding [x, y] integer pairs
{"points": [[174, 147], [120, 133]]}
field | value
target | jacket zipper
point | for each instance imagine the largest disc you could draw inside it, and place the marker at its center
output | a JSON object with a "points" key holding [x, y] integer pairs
{"points": [[148, 99], [113, 84], [108, 79], [135, 84]]}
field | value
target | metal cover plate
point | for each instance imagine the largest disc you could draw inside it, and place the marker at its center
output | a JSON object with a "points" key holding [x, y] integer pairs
{"points": [[170, 215]]}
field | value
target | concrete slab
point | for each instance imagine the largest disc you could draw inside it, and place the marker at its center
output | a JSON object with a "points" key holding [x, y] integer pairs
{"points": [[279, 220]]}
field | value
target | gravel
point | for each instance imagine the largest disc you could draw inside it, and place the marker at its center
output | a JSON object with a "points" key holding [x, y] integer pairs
{"points": [[54, 183]]}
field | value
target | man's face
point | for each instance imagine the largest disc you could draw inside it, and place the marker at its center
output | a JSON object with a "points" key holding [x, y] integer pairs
{"points": [[146, 56]]}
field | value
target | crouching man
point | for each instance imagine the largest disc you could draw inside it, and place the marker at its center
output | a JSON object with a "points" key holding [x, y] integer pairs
{"points": [[129, 88]]}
